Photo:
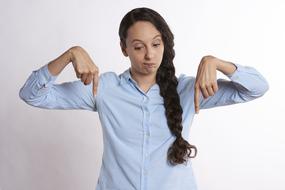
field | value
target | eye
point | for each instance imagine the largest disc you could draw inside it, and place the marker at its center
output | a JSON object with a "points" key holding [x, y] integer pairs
{"points": [[138, 48], [156, 45]]}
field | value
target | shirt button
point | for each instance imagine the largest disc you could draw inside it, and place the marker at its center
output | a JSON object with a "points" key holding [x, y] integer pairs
{"points": [[145, 99], [147, 114], [145, 172]]}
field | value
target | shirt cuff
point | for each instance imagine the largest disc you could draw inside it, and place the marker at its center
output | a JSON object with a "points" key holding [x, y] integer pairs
{"points": [[45, 77], [234, 75]]}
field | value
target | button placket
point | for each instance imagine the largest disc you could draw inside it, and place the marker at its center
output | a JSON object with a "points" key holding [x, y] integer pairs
{"points": [[146, 126]]}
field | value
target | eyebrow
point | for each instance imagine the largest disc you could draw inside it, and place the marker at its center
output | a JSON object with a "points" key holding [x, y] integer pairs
{"points": [[158, 35]]}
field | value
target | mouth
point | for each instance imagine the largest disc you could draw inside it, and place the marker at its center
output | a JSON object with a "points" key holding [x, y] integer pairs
{"points": [[149, 64]]}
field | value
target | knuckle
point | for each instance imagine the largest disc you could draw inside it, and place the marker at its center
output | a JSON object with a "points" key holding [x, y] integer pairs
{"points": [[95, 72], [208, 84], [77, 47], [92, 70], [206, 58], [197, 89], [216, 88], [81, 71], [85, 71], [203, 85]]}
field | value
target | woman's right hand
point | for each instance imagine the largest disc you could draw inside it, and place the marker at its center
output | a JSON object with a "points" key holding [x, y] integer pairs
{"points": [[84, 67]]}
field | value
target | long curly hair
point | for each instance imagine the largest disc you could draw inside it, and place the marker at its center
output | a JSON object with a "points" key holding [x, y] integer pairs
{"points": [[180, 150]]}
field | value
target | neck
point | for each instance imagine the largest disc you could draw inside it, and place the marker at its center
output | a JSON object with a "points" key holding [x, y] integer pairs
{"points": [[144, 81]]}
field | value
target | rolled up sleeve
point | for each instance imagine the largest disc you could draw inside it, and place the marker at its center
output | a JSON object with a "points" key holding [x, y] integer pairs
{"points": [[41, 91], [245, 84]]}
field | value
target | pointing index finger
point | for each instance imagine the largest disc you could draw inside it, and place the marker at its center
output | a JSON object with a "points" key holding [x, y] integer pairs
{"points": [[95, 83], [196, 99]]}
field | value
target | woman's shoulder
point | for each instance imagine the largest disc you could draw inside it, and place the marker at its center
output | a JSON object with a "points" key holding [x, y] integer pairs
{"points": [[185, 82], [185, 79], [110, 78], [110, 75]]}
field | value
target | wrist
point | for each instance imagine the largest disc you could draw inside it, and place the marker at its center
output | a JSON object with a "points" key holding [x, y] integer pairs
{"points": [[220, 64], [226, 67], [209, 59], [71, 54]]}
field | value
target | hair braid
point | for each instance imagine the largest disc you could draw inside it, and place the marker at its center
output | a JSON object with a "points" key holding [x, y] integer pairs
{"points": [[180, 150]]}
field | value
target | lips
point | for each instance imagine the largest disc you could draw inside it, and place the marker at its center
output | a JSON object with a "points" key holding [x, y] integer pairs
{"points": [[149, 64]]}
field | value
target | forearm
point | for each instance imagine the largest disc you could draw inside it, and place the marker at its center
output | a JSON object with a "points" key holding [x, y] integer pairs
{"points": [[41, 91], [38, 85], [245, 84], [226, 67], [58, 64]]}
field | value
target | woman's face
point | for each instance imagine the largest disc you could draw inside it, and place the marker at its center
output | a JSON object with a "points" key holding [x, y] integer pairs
{"points": [[145, 47]]}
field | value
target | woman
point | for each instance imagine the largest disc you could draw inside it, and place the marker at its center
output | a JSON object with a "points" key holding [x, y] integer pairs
{"points": [[146, 111]]}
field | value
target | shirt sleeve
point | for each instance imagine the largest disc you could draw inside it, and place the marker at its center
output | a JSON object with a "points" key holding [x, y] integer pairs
{"points": [[41, 91], [245, 84]]}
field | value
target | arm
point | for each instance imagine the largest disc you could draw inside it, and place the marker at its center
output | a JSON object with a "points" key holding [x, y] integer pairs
{"points": [[39, 90], [245, 84], [227, 68]]}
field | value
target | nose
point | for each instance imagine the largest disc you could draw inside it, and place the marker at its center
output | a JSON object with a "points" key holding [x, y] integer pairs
{"points": [[149, 54]]}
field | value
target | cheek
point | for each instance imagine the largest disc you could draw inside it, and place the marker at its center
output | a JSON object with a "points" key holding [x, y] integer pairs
{"points": [[136, 56], [161, 51], [135, 61]]}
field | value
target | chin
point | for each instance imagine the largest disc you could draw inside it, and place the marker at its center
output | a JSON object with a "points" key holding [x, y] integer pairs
{"points": [[151, 71]]}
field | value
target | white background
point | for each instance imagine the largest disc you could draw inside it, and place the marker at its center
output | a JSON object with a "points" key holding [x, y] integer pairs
{"points": [[239, 146]]}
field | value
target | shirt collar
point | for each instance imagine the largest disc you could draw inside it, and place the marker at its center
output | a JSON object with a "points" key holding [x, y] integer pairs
{"points": [[126, 77]]}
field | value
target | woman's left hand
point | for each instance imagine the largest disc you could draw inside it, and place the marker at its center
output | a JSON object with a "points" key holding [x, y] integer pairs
{"points": [[206, 79]]}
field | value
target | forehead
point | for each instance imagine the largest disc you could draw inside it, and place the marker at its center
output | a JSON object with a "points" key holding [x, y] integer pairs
{"points": [[142, 30]]}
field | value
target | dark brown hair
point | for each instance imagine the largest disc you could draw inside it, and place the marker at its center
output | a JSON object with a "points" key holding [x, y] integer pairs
{"points": [[180, 150]]}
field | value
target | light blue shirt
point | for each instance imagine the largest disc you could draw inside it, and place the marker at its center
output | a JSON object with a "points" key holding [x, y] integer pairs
{"points": [[135, 132]]}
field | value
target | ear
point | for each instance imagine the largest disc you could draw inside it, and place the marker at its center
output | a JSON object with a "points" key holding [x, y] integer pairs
{"points": [[123, 48]]}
